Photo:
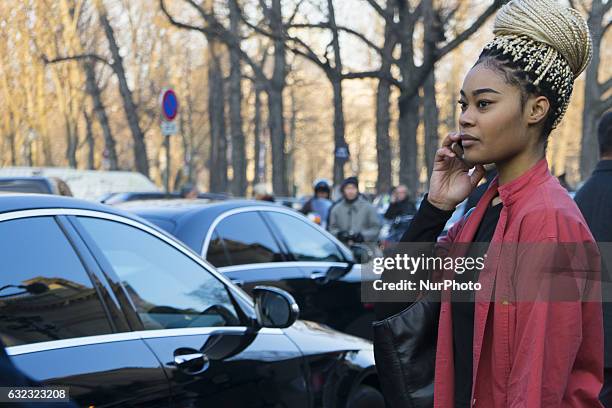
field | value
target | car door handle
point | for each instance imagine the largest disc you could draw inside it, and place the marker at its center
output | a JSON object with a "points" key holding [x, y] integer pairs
{"points": [[193, 363], [319, 277]]}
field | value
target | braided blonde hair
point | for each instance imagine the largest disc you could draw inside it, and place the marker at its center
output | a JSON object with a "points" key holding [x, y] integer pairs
{"points": [[548, 44]]}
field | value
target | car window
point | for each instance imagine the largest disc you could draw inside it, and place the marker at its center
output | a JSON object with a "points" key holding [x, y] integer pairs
{"points": [[217, 253], [247, 239], [45, 292], [305, 242], [168, 289]]}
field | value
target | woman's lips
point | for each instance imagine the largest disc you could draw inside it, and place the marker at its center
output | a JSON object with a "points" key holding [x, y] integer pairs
{"points": [[468, 142]]}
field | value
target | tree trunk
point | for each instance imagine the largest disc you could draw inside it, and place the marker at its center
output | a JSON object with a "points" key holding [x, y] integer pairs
{"points": [[338, 130], [71, 143], [239, 181], [91, 143], [277, 140], [216, 104], [140, 150], [430, 120], [408, 123], [259, 153], [276, 121], [100, 111], [383, 142], [336, 80], [291, 149], [594, 107], [383, 118], [408, 102], [11, 136]]}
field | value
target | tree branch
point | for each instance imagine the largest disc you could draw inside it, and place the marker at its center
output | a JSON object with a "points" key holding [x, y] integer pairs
{"points": [[219, 32], [372, 74], [605, 86], [473, 28], [80, 57], [340, 28], [295, 12], [374, 4], [606, 104]]}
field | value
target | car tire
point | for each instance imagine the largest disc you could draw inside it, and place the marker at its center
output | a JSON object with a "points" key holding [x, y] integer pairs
{"points": [[366, 397]]}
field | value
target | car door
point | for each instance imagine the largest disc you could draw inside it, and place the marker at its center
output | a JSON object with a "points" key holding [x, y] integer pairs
{"points": [[56, 326], [335, 302], [244, 249], [196, 325]]}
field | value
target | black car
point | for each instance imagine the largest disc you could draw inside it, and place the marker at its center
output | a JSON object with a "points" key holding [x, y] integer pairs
{"points": [[126, 316], [259, 243], [118, 198]]}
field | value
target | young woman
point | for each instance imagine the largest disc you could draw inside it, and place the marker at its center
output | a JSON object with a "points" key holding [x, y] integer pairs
{"points": [[500, 350]]}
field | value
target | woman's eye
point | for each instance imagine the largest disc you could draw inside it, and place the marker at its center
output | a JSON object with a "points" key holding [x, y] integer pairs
{"points": [[483, 104], [462, 105]]}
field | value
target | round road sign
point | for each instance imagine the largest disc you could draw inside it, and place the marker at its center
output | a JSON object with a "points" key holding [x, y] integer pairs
{"points": [[169, 105]]}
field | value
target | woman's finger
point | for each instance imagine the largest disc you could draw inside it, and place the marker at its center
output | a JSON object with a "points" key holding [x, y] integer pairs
{"points": [[450, 139], [443, 152], [477, 175]]}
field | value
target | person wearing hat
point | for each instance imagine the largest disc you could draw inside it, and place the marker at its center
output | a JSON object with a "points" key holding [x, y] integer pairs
{"points": [[320, 203], [353, 219]]}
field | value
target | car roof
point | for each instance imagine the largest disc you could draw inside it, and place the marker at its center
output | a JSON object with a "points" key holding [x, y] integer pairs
{"points": [[190, 219], [178, 208], [10, 202]]}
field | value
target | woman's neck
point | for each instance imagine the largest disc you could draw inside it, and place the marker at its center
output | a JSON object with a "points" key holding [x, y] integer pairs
{"points": [[517, 166]]}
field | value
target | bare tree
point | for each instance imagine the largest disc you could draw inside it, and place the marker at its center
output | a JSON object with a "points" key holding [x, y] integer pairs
{"points": [[239, 180], [595, 102], [91, 142], [216, 112], [414, 76], [94, 91], [131, 113], [383, 93], [116, 63], [273, 85]]}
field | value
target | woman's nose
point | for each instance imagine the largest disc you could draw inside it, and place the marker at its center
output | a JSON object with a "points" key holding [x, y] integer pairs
{"points": [[466, 120]]}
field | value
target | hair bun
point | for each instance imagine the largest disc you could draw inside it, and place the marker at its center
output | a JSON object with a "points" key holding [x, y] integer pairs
{"points": [[548, 22]]}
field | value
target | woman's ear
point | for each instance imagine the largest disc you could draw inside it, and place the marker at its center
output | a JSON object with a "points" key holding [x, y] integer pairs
{"points": [[537, 109]]}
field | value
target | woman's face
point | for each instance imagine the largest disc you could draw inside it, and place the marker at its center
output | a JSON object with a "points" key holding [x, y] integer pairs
{"points": [[492, 122]]}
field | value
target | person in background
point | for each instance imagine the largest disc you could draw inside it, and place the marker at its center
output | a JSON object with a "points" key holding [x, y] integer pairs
{"points": [[320, 202], [401, 203], [261, 193], [353, 219], [564, 183], [595, 202], [189, 191]]}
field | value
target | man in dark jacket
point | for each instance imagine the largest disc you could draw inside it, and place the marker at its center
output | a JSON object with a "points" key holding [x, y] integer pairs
{"points": [[595, 201], [401, 204]]}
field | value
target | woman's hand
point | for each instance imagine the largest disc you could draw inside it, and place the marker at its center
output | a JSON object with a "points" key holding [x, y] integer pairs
{"points": [[450, 182]]}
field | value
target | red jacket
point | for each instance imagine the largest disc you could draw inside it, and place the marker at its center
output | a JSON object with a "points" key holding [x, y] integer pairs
{"points": [[528, 354]]}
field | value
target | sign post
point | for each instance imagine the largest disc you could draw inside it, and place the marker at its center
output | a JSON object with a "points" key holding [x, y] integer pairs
{"points": [[169, 110]]}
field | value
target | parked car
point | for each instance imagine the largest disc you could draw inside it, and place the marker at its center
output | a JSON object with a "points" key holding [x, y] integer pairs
{"points": [[258, 243], [35, 185], [126, 316], [88, 184], [124, 197]]}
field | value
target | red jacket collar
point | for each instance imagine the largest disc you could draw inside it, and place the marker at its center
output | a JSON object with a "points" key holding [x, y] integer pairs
{"points": [[522, 185]]}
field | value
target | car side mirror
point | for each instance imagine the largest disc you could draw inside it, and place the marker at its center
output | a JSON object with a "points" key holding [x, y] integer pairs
{"points": [[274, 307], [362, 253]]}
